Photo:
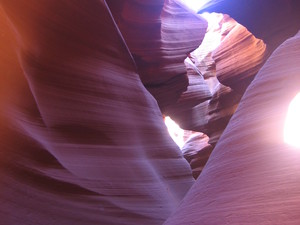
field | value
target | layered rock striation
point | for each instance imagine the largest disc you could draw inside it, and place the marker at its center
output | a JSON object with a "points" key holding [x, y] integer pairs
{"points": [[160, 36], [83, 88], [251, 176], [223, 65], [82, 140]]}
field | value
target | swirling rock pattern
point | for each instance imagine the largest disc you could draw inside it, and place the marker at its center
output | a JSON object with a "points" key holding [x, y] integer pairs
{"points": [[227, 60], [82, 141], [197, 150], [252, 175], [238, 57], [271, 21], [159, 38]]}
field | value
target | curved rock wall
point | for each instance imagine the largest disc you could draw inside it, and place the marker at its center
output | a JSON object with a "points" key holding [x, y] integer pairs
{"points": [[272, 21], [82, 141], [160, 36], [224, 64], [196, 151], [252, 175], [238, 57], [234, 65]]}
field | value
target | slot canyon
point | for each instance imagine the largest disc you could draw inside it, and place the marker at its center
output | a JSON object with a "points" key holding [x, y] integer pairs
{"points": [[91, 91]]}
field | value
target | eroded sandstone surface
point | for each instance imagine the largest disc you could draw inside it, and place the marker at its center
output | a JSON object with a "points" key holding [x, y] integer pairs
{"points": [[82, 140], [252, 175], [84, 89]]}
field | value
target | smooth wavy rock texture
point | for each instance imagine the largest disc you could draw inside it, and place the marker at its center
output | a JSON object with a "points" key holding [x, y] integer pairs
{"points": [[252, 176], [196, 151], [211, 113], [207, 105], [239, 56], [197, 92], [269, 20], [226, 61], [160, 38], [82, 141]]}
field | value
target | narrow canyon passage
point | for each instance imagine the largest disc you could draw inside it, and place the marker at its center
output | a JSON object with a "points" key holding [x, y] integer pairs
{"points": [[87, 86]]}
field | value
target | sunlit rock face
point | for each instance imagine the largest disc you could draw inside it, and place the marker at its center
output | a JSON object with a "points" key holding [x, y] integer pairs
{"points": [[159, 38], [252, 175], [269, 20], [239, 56], [196, 151], [233, 55], [223, 66], [82, 141]]}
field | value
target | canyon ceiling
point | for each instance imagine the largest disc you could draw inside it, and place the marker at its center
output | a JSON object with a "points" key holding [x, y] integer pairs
{"points": [[85, 87]]}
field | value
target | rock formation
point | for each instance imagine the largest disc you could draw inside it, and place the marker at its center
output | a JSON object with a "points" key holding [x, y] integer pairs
{"points": [[272, 21], [252, 175], [197, 150], [82, 140], [84, 86], [160, 36], [224, 70]]}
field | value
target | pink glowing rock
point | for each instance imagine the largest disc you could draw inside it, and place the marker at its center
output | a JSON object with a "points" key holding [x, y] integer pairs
{"points": [[238, 57], [271, 21], [82, 141], [230, 55], [252, 175], [160, 37], [196, 151]]}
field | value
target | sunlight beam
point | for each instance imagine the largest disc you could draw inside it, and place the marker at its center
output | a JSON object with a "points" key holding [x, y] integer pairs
{"points": [[175, 131], [195, 5], [292, 123]]}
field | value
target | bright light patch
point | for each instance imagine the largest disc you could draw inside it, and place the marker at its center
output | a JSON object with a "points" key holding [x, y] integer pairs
{"points": [[175, 131], [195, 5], [213, 19], [292, 123]]}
